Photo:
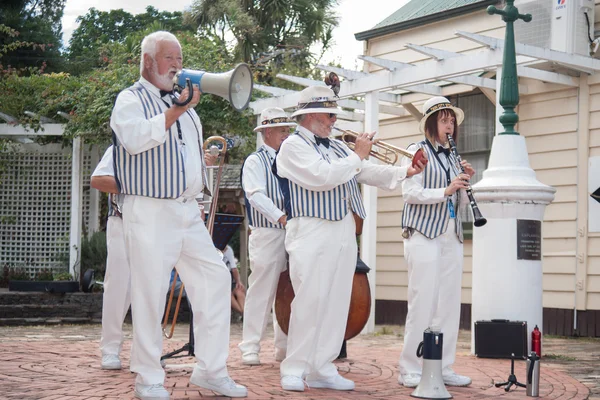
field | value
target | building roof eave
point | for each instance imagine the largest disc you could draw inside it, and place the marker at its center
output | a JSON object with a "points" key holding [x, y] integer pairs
{"points": [[428, 19]]}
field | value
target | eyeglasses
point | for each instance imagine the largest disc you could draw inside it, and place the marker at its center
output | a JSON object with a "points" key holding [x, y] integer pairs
{"points": [[331, 115]]}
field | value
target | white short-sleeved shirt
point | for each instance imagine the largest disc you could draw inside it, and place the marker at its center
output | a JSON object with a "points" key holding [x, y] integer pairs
{"points": [[229, 258], [105, 167]]}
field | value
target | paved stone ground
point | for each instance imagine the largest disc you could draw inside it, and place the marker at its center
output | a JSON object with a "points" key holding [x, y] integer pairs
{"points": [[63, 362]]}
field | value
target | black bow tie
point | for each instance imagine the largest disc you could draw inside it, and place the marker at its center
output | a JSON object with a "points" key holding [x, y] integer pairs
{"points": [[443, 150], [163, 93], [323, 141]]}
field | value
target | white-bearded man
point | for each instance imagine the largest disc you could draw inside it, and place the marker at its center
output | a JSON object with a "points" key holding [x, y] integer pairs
{"points": [[159, 167]]}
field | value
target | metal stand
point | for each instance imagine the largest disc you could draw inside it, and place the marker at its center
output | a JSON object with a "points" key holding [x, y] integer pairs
{"points": [[343, 353], [512, 378], [189, 346]]}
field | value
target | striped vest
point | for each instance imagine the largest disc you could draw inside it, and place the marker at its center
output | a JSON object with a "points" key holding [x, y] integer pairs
{"points": [[158, 172], [256, 219], [431, 220], [332, 204]]}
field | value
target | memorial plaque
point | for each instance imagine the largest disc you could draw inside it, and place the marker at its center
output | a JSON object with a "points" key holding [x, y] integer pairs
{"points": [[529, 239]]}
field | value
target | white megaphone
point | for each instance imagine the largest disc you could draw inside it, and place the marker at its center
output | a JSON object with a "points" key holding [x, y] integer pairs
{"points": [[432, 383], [234, 86]]}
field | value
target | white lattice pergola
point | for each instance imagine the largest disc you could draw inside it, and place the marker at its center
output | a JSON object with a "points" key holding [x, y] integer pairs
{"points": [[48, 194], [393, 90]]}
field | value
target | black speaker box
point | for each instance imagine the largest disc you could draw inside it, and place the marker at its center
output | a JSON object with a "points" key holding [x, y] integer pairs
{"points": [[499, 338]]}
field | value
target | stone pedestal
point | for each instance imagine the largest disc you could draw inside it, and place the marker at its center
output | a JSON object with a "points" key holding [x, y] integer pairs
{"points": [[507, 262]]}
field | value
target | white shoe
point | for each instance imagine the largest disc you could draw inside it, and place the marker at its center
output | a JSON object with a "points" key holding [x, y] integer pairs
{"points": [[250, 359], [455, 379], [409, 380], [225, 386], [151, 392], [280, 354], [111, 361], [291, 382], [336, 382]]}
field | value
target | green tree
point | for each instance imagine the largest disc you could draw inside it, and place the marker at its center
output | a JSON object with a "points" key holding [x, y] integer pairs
{"points": [[89, 98], [264, 26], [34, 21], [99, 28]]}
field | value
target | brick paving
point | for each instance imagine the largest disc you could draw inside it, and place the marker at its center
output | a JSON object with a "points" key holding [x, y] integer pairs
{"points": [[63, 362]]}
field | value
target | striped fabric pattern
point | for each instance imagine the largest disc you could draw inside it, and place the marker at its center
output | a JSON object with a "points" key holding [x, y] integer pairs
{"points": [[332, 204], [431, 220], [256, 219], [158, 172]]}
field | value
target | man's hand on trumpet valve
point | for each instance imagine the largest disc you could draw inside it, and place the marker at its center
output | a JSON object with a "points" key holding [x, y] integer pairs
{"points": [[468, 168], [418, 168], [363, 143], [459, 182]]}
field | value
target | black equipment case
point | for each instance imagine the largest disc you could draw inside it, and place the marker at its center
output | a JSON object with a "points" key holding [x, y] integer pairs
{"points": [[499, 338]]}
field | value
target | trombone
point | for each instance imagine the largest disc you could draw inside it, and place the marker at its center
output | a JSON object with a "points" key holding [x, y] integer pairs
{"points": [[221, 150], [382, 151]]}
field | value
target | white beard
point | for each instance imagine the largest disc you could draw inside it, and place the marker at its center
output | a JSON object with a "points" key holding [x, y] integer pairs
{"points": [[165, 82]]}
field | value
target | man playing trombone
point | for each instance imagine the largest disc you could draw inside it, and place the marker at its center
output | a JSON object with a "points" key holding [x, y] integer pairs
{"points": [[160, 169], [266, 212], [321, 194]]}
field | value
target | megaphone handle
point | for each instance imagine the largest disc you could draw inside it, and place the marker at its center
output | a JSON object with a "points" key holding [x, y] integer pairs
{"points": [[420, 349], [190, 88]]}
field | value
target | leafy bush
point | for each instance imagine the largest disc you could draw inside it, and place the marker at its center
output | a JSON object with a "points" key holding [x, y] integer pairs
{"points": [[93, 253], [13, 273], [63, 276], [44, 274]]}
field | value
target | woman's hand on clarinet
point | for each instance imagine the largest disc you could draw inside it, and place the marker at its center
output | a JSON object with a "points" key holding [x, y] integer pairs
{"points": [[468, 168], [460, 182]]}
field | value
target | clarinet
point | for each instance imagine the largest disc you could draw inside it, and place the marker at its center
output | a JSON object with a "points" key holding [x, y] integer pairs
{"points": [[479, 219]]}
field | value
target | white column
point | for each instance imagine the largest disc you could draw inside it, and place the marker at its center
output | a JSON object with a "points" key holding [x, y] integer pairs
{"points": [[76, 209], [368, 242], [505, 285], [94, 195]]}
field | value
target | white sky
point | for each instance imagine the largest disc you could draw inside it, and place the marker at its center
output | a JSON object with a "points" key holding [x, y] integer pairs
{"points": [[355, 16]]}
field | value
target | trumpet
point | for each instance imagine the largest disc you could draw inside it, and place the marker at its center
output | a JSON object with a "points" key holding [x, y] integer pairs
{"points": [[382, 151]]}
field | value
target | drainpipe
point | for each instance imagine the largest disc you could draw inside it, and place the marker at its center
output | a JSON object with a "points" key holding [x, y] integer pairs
{"points": [[583, 142]]}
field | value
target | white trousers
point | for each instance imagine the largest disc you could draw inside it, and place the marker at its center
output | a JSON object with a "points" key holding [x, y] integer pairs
{"points": [[322, 265], [268, 259], [160, 234], [116, 297], [434, 287]]}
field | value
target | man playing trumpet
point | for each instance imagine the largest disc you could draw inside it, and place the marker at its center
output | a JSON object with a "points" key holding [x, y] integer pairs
{"points": [[321, 193]]}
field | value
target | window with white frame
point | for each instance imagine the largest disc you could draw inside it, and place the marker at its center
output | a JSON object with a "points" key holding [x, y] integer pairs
{"points": [[475, 137]]}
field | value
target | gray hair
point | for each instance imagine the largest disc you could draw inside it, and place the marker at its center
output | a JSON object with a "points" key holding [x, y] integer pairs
{"points": [[149, 44]]}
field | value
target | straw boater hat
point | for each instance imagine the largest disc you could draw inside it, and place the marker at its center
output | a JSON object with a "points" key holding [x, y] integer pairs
{"points": [[273, 117], [439, 103], [317, 99]]}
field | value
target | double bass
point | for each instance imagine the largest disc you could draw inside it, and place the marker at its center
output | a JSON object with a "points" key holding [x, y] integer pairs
{"points": [[360, 300]]}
